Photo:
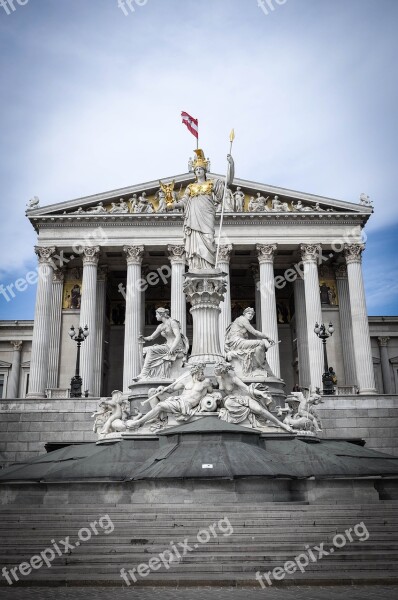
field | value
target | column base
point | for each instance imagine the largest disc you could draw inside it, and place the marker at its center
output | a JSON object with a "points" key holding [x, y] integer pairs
{"points": [[35, 396], [367, 392]]}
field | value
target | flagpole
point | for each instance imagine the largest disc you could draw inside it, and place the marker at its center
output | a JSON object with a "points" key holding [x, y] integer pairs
{"points": [[231, 139]]}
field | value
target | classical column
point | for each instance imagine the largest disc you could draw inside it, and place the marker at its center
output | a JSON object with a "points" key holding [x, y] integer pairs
{"points": [[13, 380], [301, 332], [359, 315], [178, 302], [88, 316], [42, 323], [224, 256], [346, 325], [309, 253], [132, 358], [55, 331], [269, 323], [385, 364], [99, 325], [256, 276]]}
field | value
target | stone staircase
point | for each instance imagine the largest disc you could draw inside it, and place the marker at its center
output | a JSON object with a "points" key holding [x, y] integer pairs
{"points": [[264, 537]]}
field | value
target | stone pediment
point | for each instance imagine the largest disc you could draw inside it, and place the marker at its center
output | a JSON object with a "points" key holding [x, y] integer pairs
{"points": [[246, 197]]}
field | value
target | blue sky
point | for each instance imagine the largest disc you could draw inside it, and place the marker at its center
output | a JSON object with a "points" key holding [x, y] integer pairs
{"points": [[91, 100]]}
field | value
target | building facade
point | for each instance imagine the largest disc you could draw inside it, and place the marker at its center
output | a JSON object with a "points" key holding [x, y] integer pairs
{"points": [[107, 261]]}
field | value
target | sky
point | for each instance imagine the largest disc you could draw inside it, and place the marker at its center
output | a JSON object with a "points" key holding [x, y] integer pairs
{"points": [[91, 94]]}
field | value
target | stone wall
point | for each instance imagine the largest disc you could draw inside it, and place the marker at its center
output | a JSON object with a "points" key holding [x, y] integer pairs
{"points": [[26, 425], [372, 418]]}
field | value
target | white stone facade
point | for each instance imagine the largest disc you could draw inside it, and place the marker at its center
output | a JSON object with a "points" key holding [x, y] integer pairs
{"points": [[111, 270]]}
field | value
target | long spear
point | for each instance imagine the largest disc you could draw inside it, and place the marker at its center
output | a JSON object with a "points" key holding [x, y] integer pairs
{"points": [[166, 388], [231, 139]]}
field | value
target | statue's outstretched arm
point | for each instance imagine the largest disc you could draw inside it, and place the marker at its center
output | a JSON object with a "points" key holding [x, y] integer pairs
{"points": [[154, 335], [177, 332]]}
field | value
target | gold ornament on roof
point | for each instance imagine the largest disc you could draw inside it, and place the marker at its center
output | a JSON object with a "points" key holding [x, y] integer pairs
{"points": [[168, 190]]}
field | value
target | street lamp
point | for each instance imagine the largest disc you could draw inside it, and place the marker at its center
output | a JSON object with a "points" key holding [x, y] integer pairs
{"points": [[76, 381], [327, 379]]}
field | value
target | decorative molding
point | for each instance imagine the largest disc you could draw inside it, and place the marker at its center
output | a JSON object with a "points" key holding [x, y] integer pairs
{"points": [[353, 253], [383, 341], [134, 254], [45, 254], [176, 253], [310, 252], [224, 253], [102, 273], [266, 253], [17, 345], [90, 255]]}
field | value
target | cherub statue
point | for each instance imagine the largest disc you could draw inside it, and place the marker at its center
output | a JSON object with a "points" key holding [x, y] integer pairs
{"points": [[242, 402], [300, 413], [112, 415], [33, 203]]}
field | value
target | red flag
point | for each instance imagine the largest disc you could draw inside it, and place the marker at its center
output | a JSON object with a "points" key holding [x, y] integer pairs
{"points": [[191, 123]]}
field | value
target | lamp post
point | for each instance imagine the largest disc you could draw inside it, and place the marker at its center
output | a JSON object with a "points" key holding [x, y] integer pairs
{"points": [[327, 379], [76, 381]]}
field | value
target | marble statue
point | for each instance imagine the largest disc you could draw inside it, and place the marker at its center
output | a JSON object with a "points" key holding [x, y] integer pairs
{"points": [[143, 205], [79, 211], [317, 208], [239, 200], [112, 416], [190, 165], [160, 357], [229, 205], [162, 208], [120, 208], [98, 209], [242, 402], [300, 413], [300, 207], [199, 204], [33, 203], [365, 200], [133, 203], [251, 353], [258, 204], [278, 206], [194, 386]]}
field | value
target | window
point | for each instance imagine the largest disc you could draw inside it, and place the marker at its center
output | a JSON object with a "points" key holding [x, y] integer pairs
{"points": [[2, 385]]}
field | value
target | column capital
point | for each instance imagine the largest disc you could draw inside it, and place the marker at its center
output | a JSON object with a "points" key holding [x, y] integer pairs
{"points": [[310, 252], [266, 252], [90, 255], [58, 276], [341, 271], [134, 254], [45, 254], [176, 253], [18, 345], [224, 253], [353, 253], [383, 341]]}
